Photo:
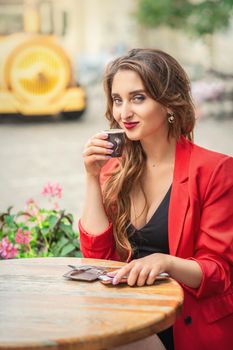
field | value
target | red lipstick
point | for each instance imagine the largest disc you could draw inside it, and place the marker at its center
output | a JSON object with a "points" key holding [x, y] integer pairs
{"points": [[130, 125]]}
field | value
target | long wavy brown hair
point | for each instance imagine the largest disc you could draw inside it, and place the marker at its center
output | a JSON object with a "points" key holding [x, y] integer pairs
{"points": [[167, 83]]}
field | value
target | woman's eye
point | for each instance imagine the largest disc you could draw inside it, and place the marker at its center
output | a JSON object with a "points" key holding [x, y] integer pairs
{"points": [[116, 101], [139, 98]]}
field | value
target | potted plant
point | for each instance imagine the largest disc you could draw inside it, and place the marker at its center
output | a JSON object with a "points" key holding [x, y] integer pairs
{"points": [[39, 232]]}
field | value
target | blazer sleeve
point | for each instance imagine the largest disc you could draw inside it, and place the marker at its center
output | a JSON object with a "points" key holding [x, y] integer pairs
{"points": [[101, 246], [214, 245]]}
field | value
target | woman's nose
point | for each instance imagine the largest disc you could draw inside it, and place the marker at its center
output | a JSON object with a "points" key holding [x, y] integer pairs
{"points": [[126, 111]]}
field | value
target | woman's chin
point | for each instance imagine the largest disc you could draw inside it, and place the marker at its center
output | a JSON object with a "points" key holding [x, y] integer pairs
{"points": [[132, 136]]}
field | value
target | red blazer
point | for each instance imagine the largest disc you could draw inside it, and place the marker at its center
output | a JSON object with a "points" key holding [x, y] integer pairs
{"points": [[200, 227]]}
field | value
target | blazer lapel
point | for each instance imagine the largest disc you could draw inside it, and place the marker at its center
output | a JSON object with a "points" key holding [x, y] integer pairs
{"points": [[179, 201]]}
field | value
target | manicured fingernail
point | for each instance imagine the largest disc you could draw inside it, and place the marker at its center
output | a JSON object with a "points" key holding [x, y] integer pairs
{"points": [[115, 281], [110, 145], [110, 274]]}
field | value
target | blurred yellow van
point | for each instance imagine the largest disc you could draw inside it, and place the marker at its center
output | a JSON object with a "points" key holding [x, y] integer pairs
{"points": [[36, 74]]}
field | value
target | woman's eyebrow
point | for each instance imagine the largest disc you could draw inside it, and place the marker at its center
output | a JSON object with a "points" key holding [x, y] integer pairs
{"points": [[130, 93], [115, 95], [137, 92]]}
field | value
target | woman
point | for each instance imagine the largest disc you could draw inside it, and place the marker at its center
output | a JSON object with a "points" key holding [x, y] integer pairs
{"points": [[166, 205]]}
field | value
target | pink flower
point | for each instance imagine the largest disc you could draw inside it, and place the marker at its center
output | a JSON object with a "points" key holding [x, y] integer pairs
{"points": [[7, 249], [30, 202], [32, 207], [55, 206], [22, 237], [52, 190]]}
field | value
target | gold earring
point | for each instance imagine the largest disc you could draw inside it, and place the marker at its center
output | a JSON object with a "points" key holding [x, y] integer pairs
{"points": [[171, 117]]}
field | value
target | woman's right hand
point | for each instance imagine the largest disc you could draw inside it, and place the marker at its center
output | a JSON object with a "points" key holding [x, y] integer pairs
{"points": [[96, 153]]}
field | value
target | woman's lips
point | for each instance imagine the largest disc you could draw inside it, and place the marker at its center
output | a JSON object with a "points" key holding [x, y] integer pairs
{"points": [[130, 125]]}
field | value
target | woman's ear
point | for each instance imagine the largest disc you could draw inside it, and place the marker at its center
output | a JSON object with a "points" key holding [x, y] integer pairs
{"points": [[168, 110]]}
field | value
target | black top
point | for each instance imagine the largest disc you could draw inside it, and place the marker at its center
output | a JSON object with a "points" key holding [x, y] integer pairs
{"points": [[153, 238]]}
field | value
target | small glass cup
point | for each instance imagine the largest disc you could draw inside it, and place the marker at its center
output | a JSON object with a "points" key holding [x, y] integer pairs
{"points": [[117, 138]]}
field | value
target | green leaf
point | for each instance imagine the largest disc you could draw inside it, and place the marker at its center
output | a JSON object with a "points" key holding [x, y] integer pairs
{"points": [[67, 229], [57, 247], [78, 254], [45, 254], [45, 231], [70, 218], [52, 221], [9, 220], [67, 249], [76, 243]]}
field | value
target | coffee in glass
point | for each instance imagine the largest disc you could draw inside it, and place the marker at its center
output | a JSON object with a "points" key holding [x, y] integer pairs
{"points": [[117, 138]]}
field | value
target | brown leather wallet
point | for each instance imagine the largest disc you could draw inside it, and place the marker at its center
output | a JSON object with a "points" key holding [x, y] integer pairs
{"points": [[91, 273]]}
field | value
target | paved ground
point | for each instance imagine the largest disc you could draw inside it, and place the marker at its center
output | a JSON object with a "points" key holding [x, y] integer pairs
{"points": [[33, 153]]}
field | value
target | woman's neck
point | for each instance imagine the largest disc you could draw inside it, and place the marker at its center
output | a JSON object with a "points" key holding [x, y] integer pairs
{"points": [[159, 150]]}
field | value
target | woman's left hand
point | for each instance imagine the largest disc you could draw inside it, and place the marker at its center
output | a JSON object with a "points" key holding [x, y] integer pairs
{"points": [[143, 271]]}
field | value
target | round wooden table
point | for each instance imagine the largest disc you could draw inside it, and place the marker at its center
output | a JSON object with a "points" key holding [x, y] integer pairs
{"points": [[41, 309]]}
